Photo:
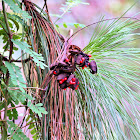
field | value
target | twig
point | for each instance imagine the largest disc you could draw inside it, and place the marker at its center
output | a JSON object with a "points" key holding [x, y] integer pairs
{"points": [[12, 60], [19, 124], [17, 88], [29, 124], [4, 135], [14, 107], [99, 22]]}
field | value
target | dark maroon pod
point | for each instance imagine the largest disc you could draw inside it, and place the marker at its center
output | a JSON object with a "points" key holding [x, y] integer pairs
{"points": [[53, 66], [93, 67], [78, 59], [62, 64], [73, 51], [70, 78], [62, 76], [63, 85], [65, 68]]}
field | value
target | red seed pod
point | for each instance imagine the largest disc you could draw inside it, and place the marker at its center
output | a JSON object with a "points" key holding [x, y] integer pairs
{"points": [[78, 83], [83, 59], [86, 66], [73, 79], [71, 82], [60, 82], [75, 69], [65, 78], [89, 55], [68, 87], [67, 60], [54, 72], [83, 67], [64, 88]]}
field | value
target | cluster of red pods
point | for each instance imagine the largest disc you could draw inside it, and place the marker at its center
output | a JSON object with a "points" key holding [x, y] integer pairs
{"points": [[64, 69]]}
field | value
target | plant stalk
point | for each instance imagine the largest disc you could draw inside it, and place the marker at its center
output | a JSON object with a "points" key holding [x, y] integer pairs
{"points": [[4, 134]]}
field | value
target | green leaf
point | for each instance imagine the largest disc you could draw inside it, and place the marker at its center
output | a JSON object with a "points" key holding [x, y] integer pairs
{"points": [[37, 58], [65, 25], [31, 126], [16, 79], [15, 7], [39, 104], [18, 135], [33, 131]]}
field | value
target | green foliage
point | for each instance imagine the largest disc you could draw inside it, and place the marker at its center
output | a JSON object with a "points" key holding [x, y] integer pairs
{"points": [[69, 4], [37, 58], [37, 108], [32, 127], [15, 7], [15, 132], [16, 80], [109, 93], [12, 25]]}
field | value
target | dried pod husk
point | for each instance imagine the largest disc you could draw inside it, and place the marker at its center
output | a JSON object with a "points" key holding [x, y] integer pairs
{"points": [[54, 65], [62, 64], [62, 76], [70, 57], [74, 47], [78, 59], [65, 68], [63, 85], [57, 71], [93, 67], [75, 85], [74, 51], [69, 69], [70, 78]]}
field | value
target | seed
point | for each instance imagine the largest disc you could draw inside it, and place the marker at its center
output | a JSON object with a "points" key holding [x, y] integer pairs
{"points": [[89, 55], [64, 88], [54, 72], [60, 82], [83, 59], [71, 82], [86, 66], [73, 79], [67, 60], [65, 78], [83, 67]]}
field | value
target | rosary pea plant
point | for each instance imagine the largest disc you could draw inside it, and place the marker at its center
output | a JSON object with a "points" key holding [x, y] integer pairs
{"points": [[104, 106]]}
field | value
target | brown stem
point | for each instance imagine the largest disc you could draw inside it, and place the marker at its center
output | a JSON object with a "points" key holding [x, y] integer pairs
{"points": [[14, 107], [19, 124], [99, 22], [12, 60], [29, 124], [4, 135], [8, 28]]}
